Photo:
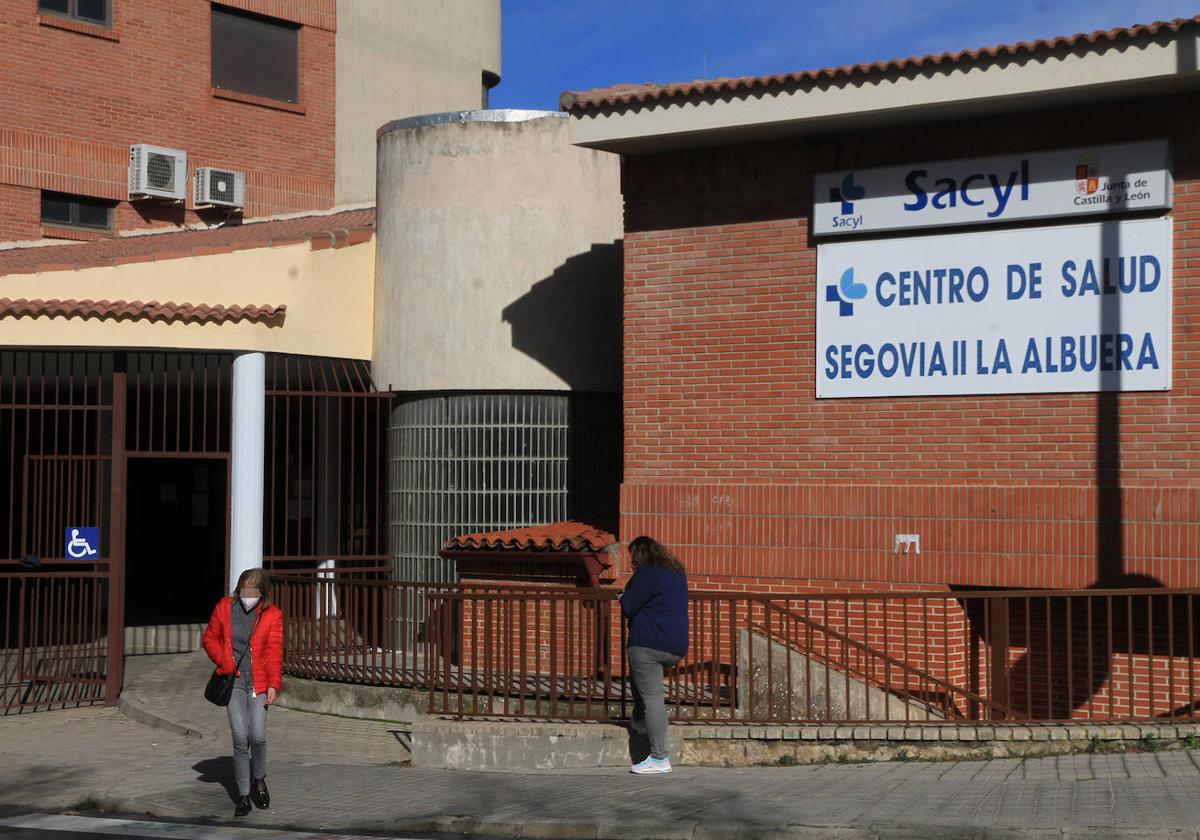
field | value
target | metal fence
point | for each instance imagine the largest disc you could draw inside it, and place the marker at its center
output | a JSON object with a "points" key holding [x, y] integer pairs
{"points": [[351, 629], [548, 652], [326, 494], [61, 443], [536, 652], [53, 639], [71, 425]]}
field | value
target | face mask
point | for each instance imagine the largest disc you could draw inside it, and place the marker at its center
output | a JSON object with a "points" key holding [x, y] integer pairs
{"points": [[249, 603]]}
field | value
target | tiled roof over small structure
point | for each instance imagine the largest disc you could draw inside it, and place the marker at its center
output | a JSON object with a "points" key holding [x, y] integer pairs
{"points": [[631, 95], [557, 553], [329, 230], [557, 536]]}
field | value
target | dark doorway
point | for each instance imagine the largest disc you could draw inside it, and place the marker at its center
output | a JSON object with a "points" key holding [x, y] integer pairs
{"points": [[176, 539]]}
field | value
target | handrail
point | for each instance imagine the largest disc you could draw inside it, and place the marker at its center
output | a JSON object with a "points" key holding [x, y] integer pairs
{"points": [[904, 667], [1051, 660], [963, 594]]}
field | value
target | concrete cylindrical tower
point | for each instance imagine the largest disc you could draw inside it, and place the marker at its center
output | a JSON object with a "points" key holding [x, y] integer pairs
{"points": [[498, 317]]}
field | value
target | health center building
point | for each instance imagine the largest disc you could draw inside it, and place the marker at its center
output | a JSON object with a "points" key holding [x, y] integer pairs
{"points": [[928, 323]]}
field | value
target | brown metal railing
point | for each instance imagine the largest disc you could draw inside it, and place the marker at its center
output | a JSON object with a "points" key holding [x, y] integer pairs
{"points": [[53, 639], [348, 628], [832, 675], [541, 652], [62, 458], [548, 652], [1037, 655]]}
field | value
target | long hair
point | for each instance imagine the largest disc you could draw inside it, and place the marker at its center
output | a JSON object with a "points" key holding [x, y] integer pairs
{"points": [[255, 577], [645, 551]]}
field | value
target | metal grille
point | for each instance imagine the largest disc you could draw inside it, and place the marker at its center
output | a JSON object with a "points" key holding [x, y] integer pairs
{"points": [[160, 171], [55, 435], [70, 421], [326, 492], [60, 422], [179, 403], [478, 462], [220, 185]]}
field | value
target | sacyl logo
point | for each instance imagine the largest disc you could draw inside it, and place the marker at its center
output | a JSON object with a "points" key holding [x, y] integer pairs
{"points": [[846, 195], [844, 292]]}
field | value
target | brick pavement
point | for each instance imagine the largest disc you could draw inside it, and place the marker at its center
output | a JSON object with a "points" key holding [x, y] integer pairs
{"points": [[331, 773]]}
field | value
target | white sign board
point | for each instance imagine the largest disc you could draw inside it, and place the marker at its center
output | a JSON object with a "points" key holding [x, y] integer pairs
{"points": [[1067, 182], [1069, 308]]}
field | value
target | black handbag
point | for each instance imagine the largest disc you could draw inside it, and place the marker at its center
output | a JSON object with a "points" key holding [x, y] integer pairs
{"points": [[219, 688]]}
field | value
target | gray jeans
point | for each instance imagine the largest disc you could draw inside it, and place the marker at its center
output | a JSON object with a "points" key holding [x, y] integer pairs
{"points": [[248, 722], [646, 666]]}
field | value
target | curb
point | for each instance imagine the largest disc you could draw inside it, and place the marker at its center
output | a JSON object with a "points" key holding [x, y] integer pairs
{"points": [[132, 708], [566, 829], [136, 807]]}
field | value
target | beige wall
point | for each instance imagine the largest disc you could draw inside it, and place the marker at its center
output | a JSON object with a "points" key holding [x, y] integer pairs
{"points": [[499, 263], [328, 296], [399, 58]]}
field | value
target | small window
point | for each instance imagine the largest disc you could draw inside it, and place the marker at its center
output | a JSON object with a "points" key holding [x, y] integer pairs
{"points": [[256, 55], [77, 211], [88, 11]]}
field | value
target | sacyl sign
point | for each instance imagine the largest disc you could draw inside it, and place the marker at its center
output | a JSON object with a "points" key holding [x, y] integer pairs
{"points": [[1067, 182], [1037, 310]]}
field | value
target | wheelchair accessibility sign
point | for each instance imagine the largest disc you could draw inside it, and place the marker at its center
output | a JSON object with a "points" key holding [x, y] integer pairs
{"points": [[83, 544]]}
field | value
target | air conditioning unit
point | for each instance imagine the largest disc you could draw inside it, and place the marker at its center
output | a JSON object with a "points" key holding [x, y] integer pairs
{"points": [[155, 172], [220, 188]]}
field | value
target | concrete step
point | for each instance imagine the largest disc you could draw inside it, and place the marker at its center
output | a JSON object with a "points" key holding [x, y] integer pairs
{"points": [[514, 745], [163, 638]]}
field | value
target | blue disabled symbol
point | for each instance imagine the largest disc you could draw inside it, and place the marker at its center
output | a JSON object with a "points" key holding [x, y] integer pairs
{"points": [[83, 543]]}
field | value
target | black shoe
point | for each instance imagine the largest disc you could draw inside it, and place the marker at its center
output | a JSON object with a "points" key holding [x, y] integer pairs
{"points": [[243, 806], [261, 796]]}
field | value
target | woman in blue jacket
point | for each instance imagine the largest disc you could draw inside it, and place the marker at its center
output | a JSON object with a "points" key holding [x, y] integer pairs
{"points": [[655, 603]]}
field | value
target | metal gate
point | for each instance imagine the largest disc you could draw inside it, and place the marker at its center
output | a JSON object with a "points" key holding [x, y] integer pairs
{"points": [[70, 422], [61, 467]]}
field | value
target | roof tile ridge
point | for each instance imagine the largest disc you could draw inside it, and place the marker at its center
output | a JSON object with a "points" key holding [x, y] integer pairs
{"points": [[644, 92]]}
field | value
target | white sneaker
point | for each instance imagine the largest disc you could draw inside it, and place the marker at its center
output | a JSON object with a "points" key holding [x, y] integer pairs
{"points": [[651, 765]]}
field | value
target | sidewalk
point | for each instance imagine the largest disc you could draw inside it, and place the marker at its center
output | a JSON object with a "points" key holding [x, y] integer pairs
{"points": [[333, 774]]}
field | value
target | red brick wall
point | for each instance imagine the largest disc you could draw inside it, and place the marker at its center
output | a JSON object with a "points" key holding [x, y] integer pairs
{"points": [[731, 459], [74, 99]]}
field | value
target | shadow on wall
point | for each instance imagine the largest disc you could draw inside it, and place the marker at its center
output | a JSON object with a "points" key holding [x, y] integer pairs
{"points": [[570, 322], [150, 212], [1064, 630]]}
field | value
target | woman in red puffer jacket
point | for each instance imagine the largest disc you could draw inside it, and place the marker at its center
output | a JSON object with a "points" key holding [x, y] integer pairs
{"points": [[248, 619]]}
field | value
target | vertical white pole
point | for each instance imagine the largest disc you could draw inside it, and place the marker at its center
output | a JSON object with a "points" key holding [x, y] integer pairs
{"points": [[326, 604], [249, 430]]}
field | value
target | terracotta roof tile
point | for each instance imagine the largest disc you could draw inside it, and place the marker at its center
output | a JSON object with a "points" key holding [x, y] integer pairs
{"points": [[336, 229], [620, 96], [200, 313], [557, 536]]}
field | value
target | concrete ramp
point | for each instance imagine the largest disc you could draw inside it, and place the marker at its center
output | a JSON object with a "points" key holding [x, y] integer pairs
{"points": [[770, 671]]}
